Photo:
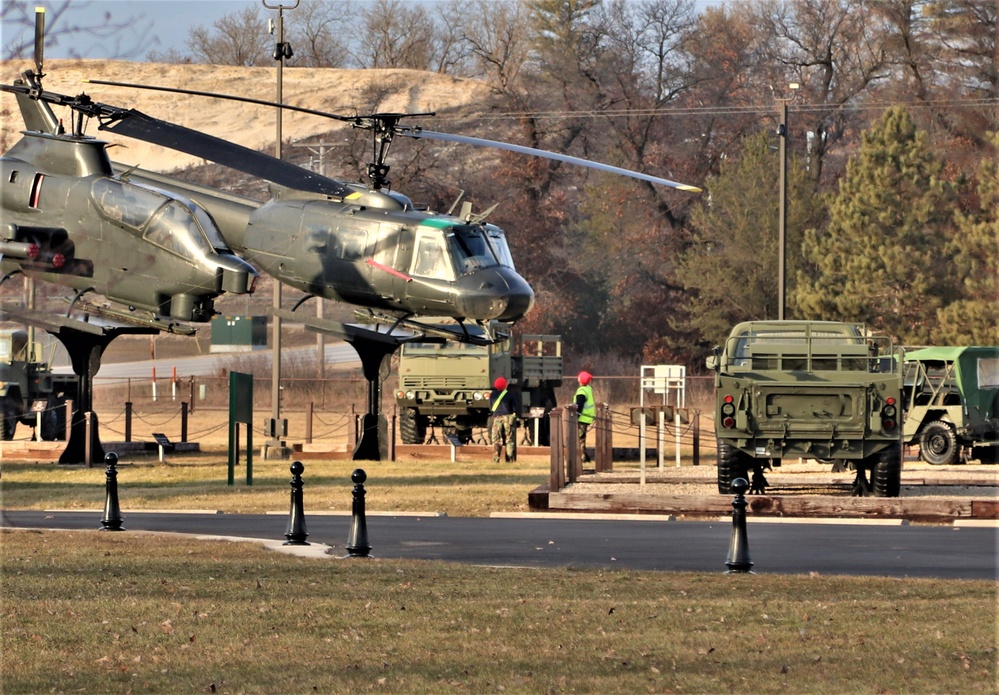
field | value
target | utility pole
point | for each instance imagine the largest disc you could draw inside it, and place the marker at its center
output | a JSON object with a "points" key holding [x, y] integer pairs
{"points": [[277, 427], [782, 132]]}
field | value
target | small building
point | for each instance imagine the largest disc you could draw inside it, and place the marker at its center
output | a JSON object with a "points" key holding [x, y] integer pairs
{"points": [[239, 333]]}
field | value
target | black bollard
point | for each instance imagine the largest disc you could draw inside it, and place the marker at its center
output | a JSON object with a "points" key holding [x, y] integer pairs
{"points": [[738, 549], [357, 541], [296, 533], [112, 512]]}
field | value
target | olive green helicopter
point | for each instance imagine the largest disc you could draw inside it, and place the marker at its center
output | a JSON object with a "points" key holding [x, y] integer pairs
{"points": [[366, 245]]}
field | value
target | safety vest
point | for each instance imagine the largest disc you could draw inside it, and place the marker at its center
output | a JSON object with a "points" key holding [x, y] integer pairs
{"points": [[589, 412], [499, 399]]}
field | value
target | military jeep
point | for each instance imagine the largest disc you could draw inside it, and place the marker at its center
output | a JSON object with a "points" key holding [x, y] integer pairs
{"points": [[819, 390], [952, 403]]}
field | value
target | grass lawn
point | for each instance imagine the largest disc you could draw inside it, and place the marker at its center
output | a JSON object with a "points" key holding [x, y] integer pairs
{"points": [[88, 612], [140, 613]]}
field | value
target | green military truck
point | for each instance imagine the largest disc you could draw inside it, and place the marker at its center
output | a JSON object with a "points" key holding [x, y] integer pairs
{"points": [[820, 390], [952, 403], [447, 384], [29, 388]]}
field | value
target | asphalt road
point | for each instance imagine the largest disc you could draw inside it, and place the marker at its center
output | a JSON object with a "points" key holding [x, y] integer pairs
{"points": [[791, 547], [336, 354]]}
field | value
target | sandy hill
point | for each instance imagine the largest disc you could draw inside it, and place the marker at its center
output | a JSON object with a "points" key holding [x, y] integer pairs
{"points": [[337, 91]]}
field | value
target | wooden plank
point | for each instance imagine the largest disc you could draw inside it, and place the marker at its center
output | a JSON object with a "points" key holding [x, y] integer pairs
{"points": [[766, 505], [985, 509]]}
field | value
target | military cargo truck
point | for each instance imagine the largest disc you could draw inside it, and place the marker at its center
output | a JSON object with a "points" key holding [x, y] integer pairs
{"points": [[952, 403], [447, 384], [28, 387], [808, 389]]}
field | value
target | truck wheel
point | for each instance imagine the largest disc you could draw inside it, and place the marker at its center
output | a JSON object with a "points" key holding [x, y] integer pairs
{"points": [[54, 420], [886, 479], [731, 465], [938, 444], [412, 428], [9, 419]]}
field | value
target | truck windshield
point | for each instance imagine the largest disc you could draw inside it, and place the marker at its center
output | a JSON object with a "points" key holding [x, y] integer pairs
{"points": [[449, 348]]}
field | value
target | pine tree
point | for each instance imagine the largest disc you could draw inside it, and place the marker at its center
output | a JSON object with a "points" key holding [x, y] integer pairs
{"points": [[973, 319], [885, 258], [731, 266]]}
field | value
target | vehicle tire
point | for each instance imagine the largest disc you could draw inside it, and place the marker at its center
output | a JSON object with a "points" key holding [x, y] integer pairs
{"points": [[464, 435], [54, 420], [410, 429], [8, 422], [886, 478], [938, 444], [732, 464]]}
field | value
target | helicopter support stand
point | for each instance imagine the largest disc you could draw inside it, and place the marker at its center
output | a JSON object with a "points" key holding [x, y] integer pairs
{"points": [[85, 342], [372, 347]]}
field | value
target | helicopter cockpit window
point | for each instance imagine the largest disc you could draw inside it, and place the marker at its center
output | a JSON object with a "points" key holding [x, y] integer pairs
{"points": [[470, 248], [174, 228], [210, 228], [126, 203], [431, 259], [497, 240]]}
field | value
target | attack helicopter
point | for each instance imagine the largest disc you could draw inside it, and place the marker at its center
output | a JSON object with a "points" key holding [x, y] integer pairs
{"points": [[364, 244], [69, 219]]}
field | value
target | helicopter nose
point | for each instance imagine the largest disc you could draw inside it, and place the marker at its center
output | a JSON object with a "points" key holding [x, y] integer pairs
{"points": [[494, 293]]}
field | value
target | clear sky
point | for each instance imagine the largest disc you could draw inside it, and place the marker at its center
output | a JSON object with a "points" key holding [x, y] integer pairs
{"points": [[159, 25]]}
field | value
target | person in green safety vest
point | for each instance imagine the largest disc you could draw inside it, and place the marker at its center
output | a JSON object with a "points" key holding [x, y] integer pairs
{"points": [[587, 409], [504, 406]]}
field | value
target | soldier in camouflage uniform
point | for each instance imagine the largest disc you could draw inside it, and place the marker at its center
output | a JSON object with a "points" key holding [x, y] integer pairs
{"points": [[503, 409]]}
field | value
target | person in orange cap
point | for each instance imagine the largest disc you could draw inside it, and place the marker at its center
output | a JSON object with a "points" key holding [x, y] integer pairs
{"points": [[587, 408], [504, 407]]}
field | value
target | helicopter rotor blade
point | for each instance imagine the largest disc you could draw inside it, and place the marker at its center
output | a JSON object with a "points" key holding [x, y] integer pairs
{"points": [[463, 139], [387, 123], [135, 124], [230, 97]]}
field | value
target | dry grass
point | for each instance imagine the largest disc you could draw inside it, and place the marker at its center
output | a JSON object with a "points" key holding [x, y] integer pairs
{"points": [[120, 613], [467, 488]]}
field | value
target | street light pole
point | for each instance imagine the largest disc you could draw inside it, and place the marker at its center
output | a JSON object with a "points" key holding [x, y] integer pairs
{"points": [[782, 221], [277, 427]]}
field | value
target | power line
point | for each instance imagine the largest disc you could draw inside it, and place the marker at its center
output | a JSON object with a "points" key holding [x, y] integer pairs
{"points": [[735, 110]]}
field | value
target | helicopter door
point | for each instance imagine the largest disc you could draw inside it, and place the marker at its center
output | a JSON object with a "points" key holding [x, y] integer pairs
{"points": [[384, 266], [433, 272], [347, 270]]}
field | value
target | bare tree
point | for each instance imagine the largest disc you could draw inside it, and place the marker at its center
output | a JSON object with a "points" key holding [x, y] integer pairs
{"points": [[320, 33], [396, 34], [238, 38], [497, 32], [835, 49], [452, 53], [117, 36]]}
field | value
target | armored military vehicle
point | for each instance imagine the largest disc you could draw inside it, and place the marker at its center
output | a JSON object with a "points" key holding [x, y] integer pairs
{"points": [[29, 388], [952, 403], [447, 384], [808, 389]]}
